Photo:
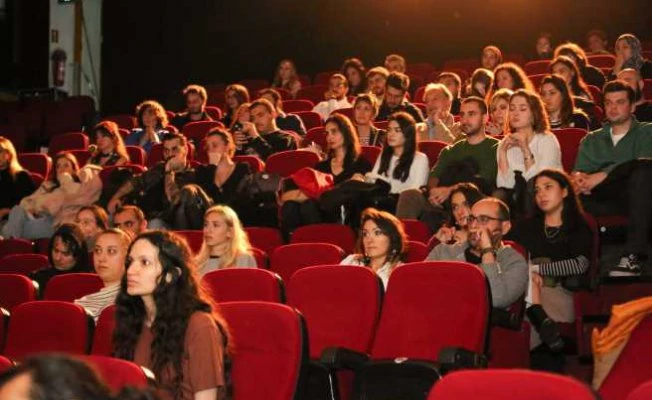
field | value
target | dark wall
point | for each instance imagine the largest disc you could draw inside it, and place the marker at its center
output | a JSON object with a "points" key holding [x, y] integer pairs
{"points": [[153, 48]]}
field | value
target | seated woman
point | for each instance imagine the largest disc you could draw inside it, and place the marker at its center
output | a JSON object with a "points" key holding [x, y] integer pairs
{"points": [[499, 112], [560, 105], [167, 323], [462, 198], [382, 244], [400, 164], [354, 71], [567, 69], [226, 244], [234, 96], [543, 47], [481, 82], [110, 149], [57, 200], [67, 254], [92, 220], [510, 76], [109, 255], [365, 111], [15, 181], [528, 149], [590, 74], [221, 178], [629, 54], [491, 57], [559, 242], [285, 122], [287, 77], [152, 125]]}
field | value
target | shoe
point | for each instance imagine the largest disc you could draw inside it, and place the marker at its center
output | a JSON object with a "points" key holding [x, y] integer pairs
{"points": [[629, 265], [548, 329]]}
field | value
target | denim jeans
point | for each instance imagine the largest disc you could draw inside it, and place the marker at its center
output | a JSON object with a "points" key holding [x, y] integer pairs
{"points": [[22, 225]]}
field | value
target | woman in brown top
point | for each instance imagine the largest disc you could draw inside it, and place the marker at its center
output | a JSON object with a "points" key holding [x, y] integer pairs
{"points": [[165, 322]]}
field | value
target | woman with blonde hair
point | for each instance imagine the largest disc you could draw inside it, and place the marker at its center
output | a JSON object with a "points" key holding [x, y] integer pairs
{"points": [[226, 244], [498, 112], [152, 125], [15, 181]]}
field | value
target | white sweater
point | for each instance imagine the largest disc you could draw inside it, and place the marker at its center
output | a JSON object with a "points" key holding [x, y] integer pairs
{"points": [[547, 154], [325, 108], [418, 176]]}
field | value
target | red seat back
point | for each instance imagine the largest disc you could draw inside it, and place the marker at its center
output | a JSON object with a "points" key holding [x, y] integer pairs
{"points": [[569, 142], [5, 364], [341, 305], [16, 289], [244, 284], [314, 93], [125, 121], [36, 162], [214, 112], [262, 260], [509, 384], [347, 112], [601, 60], [443, 303], [337, 234], [272, 349], [323, 78], [417, 251], [310, 119], [316, 135], [105, 173], [432, 148], [288, 259], [118, 373], [371, 153], [537, 67], [536, 79], [82, 156], [265, 238], [69, 287], [467, 64], [62, 327], [293, 106], [195, 238], [15, 246], [24, 263], [68, 141], [103, 335], [197, 130], [255, 163], [642, 392], [416, 230], [136, 155], [596, 93], [285, 163]]}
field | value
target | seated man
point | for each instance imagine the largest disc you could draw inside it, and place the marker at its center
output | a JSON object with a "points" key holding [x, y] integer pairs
{"points": [[632, 78], [166, 191], [472, 159], [130, 219], [286, 122], [396, 87], [613, 176], [440, 123], [505, 268], [376, 81], [262, 137], [196, 97], [454, 84], [338, 88], [395, 63]]}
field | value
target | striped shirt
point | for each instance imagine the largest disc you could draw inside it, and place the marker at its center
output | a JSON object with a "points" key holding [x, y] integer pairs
{"points": [[96, 302]]}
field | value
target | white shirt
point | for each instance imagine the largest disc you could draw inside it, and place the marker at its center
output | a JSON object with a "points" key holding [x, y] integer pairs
{"points": [[383, 273], [547, 154], [325, 108], [417, 177]]}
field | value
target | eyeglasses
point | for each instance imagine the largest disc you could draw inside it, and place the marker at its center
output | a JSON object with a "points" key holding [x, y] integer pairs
{"points": [[482, 219]]}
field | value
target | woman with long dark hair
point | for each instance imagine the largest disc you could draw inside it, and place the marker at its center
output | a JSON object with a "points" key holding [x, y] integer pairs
{"points": [[560, 104], [165, 321], [354, 71], [234, 96], [510, 76], [567, 69], [287, 78], [590, 74], [462, 198], [109, 147]]}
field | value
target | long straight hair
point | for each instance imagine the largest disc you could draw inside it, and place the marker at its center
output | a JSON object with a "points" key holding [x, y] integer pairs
{"points": [[238, 244], [349, 134], [13, 165], [408, 128], [572, 211]]}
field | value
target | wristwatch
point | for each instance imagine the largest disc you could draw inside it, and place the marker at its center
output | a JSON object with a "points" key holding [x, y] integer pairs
{"points": [[488, 250]]}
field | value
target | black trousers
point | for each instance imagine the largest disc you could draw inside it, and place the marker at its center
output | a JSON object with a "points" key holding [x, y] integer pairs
{"points": [[295, 214]]}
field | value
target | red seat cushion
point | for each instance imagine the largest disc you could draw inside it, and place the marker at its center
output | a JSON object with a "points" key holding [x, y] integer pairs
{"points": [[244, 284]]}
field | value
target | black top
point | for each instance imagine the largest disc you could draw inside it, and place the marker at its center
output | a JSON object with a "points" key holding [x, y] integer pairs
{"points": [[113, 158], [385, 111], [228, 193], [291, 122], [43, 275], [149, 188], [359, 166], [589, 108], [265, 145], [593, 76], [577, 120], [181, 119], [14, 188], [643, 112], [455, 106]]}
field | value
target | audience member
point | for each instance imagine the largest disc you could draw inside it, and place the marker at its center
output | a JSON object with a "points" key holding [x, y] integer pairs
{"points": [[396, 87], [454, 84], [481, 82], [365, 110], [510, 76], [498, 123], [376, 82], [632, 78], [110, 148], [92, 220], [15, 182], [67, 253], [596, 42], [130, 219], [382, 244], [613, 176], [589, 74], [262, 137], [234, 96], [225, 244], [440, 123], [57, 200], [491, 57], [287, 77], [152, 125], [195, 97], [628, 51], [338, 87], [286, 122], [566, 68], [560, 104], [395, 63], [472, 159], [109, 256], [166, 323], [462, 198], [354, 71], [505, 269], [543, 48]]}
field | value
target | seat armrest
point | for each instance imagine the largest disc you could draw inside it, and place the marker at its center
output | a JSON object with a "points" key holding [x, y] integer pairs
{"points": [[343, 358], [454, 358]]}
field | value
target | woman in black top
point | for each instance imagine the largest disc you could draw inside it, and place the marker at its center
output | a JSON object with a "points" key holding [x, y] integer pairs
{"points": [[344, 162], [590, 74], [560, 104], [354, 71], [234, 96], [559, 243], [15, 182], [109, 147]]}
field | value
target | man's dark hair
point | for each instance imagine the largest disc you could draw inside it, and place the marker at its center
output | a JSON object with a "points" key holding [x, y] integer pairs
{"points": [[398, 81], [480, 102], [618, 85], [172, 136]]}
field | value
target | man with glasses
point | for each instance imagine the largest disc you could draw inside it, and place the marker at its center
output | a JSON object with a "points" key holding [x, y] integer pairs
{"points": [[505, 268], [130, 219], [338, 88]]}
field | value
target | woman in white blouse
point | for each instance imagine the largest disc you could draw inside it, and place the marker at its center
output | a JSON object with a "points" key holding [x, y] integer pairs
{"points": [[400, 164], [382, 244]]}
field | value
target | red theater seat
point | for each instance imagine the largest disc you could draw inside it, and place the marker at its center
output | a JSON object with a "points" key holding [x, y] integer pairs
{"points": [[82, 156], [255, 163], [68, 141], [15, 290], [417, 230], [537, 67], [371, 153], [288, 259], [136, 155], [432, 148], [197, 130], [244, 284], [642, 392], [337, 234], [310, 119], [569, 142], [285, 163], [5, 364], [125, 121], [195, 238], [15, 246], [118, 373], [314, 93], [24, 263], [105, 173], [36, 162], [293, 106], [103, 335], [417, 251], [69, 287], [265, 238]]}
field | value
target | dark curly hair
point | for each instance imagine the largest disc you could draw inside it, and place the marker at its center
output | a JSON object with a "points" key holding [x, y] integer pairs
{"points": [[177, 297]]}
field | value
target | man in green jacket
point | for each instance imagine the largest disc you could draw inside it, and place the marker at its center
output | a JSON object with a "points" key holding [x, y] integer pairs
{"points": [[613, 172]]}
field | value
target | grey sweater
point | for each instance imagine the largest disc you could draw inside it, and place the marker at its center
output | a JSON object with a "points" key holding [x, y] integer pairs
{"points": [[508, 276]]}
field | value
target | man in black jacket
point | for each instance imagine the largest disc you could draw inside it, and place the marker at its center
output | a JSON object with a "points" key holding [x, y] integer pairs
{"points": [[262, 137], [396, 87]]}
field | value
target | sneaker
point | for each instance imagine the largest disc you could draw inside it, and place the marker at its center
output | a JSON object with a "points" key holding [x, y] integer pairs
{"points": [[629, 265]]}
